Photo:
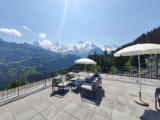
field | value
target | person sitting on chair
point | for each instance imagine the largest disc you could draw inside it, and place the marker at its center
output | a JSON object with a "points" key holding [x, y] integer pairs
{"points": [[89, 80], [94, 77]]}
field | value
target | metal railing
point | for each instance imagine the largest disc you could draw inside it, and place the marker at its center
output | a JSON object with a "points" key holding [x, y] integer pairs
{"points": [[7, 95], [143, 78], [132, 77]]}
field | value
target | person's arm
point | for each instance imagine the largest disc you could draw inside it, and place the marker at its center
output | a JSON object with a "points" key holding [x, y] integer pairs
{"points": [[99, 76], [95, 77]]}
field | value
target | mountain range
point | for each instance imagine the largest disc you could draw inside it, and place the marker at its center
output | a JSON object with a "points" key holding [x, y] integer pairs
{"points": [[81, 48], [33, 60], [29, 60]]}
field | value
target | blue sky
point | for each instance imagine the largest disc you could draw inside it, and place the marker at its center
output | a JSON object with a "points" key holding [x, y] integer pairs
{"points": [[109, 22]]}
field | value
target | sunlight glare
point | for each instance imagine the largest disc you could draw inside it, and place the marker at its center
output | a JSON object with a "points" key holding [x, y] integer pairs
{"points": [[64, 16]]}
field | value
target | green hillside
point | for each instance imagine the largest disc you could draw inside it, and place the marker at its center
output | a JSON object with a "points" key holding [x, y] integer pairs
{"points": [[28, 60], [149, 37]]}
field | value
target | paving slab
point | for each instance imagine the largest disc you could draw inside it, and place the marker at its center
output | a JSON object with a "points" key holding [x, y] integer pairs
{"points": [[119, 115], [38, 117], [104, 111], [72, 108], [5, 114], [99, 117], [84, 114], [62, 116], [50, 112]]}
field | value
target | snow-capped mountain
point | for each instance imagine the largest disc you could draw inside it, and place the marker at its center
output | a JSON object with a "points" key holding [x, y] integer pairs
{"points": [[81, 48], [46, 44], [107, 47]]}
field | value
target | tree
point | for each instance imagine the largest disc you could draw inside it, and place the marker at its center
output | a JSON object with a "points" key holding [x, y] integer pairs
{"points": [[12, 84], [134, 61], [105, 52], [114, 69], [16, 83]]}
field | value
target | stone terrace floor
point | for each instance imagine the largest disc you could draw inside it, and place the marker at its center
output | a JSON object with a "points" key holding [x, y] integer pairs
{"points": [[117, 104]]}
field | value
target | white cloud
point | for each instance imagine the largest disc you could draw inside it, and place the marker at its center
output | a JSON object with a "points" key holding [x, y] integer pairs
{"points": [[42, 35], [26, 28], [11, 31]]}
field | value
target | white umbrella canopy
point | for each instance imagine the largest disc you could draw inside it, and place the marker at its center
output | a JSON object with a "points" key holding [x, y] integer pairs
{"points": [[139, 49], [85, 61]]}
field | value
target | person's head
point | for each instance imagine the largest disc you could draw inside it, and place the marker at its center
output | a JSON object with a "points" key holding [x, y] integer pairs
{"points": [[95, 71]]}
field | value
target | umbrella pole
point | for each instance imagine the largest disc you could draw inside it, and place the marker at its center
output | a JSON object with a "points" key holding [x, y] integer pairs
{"points": [[139, 100], [139, 63], [86, 70]]}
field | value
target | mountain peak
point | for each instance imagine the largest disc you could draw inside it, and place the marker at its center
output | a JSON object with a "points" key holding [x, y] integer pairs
{"points": [[46, 44], [84, 42], [81, 48]]}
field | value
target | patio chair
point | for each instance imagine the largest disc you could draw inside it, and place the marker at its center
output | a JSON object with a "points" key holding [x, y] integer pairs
{"points": [[90, 90], [72, 76], [59, 83], [157, 98]]}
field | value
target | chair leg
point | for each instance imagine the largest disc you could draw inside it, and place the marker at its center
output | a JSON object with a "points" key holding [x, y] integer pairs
{"points": [[71, 86], [159, 102], [63, 90], [156, 101], [96, 95]]}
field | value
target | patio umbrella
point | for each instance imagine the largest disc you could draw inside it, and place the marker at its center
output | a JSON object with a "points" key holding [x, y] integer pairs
{"points": [[85, 61], [139, 49]]}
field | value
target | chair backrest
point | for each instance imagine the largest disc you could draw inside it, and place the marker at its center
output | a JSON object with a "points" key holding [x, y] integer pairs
{"points": [[158, 91], [71, 75], [96, 84], [56, 81]]}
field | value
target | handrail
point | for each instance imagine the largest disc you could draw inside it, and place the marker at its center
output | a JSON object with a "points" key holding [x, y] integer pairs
{"points": [[7, 95]]}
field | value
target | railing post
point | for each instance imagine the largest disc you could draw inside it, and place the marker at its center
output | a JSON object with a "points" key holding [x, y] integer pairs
{"points": [[137, 76], [156, 66], [46, 80], [27, 85], [18, 85], [7, 92], [50, 80], [30, 80], [3, 90]]}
